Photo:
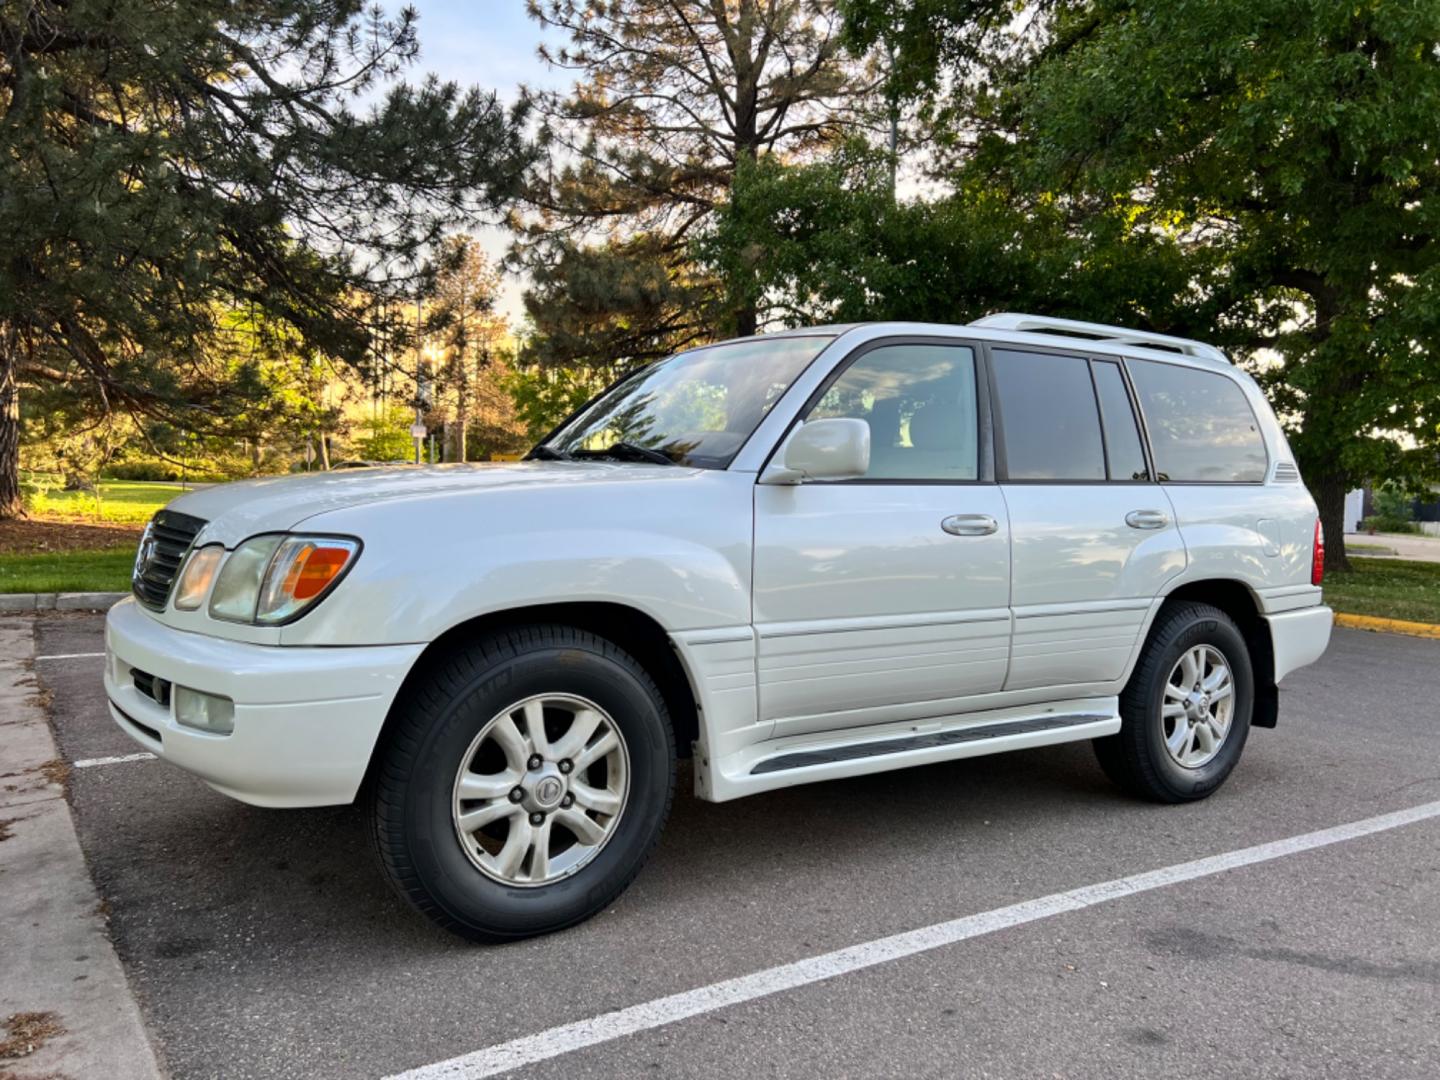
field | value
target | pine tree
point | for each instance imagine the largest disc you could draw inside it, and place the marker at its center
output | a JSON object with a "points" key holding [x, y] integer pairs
{"points": [[164, 164], [461, 317], [672, 98]]}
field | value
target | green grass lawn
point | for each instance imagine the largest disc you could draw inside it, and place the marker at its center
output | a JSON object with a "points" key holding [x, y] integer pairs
{"points": [[68, 571], [1389, 588], [120, 501]]}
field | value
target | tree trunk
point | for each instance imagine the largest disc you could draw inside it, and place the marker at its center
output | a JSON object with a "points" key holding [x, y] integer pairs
{"points": [[12, 504], [457, 434], [462, 407], [1329, 492]]}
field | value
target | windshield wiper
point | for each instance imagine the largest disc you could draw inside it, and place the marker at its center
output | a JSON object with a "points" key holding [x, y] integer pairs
{"points": [[627, 451], [547, 453]]}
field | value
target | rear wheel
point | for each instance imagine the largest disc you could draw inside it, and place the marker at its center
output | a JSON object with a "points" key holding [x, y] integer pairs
{"points": [[523, 783], [1185, 713]]}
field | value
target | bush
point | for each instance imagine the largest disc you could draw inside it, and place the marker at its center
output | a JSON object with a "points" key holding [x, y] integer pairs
{"points": [[386, 438], [1392, 503], [1388, 523], [160, 470]]}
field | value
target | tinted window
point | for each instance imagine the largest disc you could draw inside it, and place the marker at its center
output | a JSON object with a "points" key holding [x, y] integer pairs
{"points": [[919, 401], [1201, 426], [1047, 411], [1123, 449]]}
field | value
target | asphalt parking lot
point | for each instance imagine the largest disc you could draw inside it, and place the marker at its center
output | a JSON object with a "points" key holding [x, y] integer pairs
{"points": [[264, 943]]}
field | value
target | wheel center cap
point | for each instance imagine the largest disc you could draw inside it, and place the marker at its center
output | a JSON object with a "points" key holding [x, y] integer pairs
{"points": [[545, 792]]}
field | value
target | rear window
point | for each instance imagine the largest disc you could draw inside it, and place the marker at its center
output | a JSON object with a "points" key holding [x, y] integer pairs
{"points": [[1202, 430]]}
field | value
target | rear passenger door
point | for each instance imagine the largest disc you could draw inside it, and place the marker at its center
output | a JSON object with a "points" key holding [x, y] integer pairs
{"points": [[1093, 536]]}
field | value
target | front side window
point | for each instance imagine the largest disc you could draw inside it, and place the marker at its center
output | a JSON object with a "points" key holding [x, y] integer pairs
{"points": [[919, 401], [696, 408], [1202, 429], [1049, 419]]}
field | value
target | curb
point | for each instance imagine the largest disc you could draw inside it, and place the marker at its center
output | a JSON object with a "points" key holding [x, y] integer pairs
{"points": [[59, 962], [1388, 626], [65, 601]]}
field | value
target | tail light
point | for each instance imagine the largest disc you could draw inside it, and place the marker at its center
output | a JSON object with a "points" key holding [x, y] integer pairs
{"points": [[1317, 564]]}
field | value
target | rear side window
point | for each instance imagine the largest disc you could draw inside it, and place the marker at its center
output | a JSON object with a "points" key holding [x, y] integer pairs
{"points": [[1123, 450], [1202, 429], [1049, 421]]}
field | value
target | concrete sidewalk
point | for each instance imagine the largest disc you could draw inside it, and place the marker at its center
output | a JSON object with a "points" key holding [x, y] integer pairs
{"points": [[58, 961], [1410, 548]]}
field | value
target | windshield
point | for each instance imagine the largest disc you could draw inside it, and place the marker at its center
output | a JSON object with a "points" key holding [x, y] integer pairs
{"points": [[696, 408]]}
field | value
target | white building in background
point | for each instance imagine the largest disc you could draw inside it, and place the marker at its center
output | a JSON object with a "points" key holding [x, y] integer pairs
{"points": [[1354, 510]]}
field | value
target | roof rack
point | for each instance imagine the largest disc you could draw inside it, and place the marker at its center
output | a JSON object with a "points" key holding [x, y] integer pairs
{"points": [[1114, 335]]}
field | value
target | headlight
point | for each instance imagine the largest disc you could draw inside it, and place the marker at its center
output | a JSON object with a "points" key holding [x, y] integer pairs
{"points": [[197, 576], [269, 580]]}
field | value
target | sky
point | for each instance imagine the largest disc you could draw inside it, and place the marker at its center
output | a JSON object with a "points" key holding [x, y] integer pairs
{"points": [[490, 44], [486, 43]]}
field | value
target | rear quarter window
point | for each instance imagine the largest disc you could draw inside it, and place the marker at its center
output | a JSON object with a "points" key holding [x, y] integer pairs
{"points": [[1202, 429]]}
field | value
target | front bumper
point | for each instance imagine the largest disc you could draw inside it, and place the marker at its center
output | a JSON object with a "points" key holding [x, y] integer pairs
{"points": [[306, 719]]}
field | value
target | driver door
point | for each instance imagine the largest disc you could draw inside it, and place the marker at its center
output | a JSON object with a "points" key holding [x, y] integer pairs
{"points": [[886, 597]]}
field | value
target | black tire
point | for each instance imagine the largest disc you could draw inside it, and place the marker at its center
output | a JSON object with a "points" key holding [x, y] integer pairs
{"points": [[1136, 758], [428, 735]]}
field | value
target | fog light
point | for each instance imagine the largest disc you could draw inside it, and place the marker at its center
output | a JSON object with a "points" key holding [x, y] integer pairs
{"points": [[204, 712]]}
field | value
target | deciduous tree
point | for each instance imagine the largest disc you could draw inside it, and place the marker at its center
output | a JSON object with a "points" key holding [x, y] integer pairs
{"points": [[1287, 149]]}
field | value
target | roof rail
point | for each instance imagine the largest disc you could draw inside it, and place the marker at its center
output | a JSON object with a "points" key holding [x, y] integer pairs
{"points": [[1089, 331]]}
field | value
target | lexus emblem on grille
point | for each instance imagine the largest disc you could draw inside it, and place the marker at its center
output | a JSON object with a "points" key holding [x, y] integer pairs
{"points": [[145, 553]]}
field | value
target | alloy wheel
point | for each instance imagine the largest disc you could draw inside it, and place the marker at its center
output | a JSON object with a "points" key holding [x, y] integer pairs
{"points": [[541, 789]]}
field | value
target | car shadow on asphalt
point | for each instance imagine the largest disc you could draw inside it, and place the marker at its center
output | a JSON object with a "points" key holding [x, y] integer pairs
{"points": [[228, 875]]}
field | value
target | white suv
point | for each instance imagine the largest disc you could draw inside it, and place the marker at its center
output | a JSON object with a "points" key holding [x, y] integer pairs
{"points": [[795, 557]]}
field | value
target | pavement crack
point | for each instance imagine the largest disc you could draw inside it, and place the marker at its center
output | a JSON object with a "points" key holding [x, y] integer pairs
{"points": [[1403, 787], [1192, 943]]}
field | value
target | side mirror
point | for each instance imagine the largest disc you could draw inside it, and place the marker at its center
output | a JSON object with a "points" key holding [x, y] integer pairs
{"points": [[822, 450]]}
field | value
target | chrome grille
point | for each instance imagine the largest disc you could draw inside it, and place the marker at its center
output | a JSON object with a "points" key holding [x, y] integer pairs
{"points": [[167, 538]]}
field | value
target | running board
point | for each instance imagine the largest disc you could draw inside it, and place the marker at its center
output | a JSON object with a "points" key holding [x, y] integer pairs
{"points": [[831, 751], [882, 747]]}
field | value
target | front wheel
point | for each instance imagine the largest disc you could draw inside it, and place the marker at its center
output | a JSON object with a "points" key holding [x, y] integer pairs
{"points": [[523, 783], [1185, 713]]}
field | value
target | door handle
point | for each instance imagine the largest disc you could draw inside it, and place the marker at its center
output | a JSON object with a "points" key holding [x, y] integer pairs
{"points": [[1147, 519], [970, 525]]}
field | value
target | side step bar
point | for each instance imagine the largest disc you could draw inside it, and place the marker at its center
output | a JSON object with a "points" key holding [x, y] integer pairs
{"points": [[928, 741]]}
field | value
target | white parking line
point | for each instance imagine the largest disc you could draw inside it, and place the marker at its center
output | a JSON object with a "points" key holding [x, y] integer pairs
{"points": [[90, 763], [607, 1027], [72, 656]]}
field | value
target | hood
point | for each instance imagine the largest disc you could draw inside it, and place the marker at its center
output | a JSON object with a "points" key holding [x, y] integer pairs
{"points": [[277, 504]]}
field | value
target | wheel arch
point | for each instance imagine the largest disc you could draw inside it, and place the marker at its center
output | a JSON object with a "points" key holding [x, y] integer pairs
{"points": [[629, 628], [1238, 600]]}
